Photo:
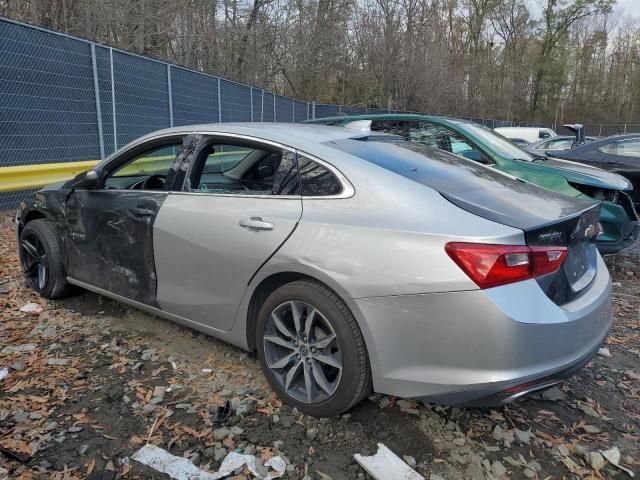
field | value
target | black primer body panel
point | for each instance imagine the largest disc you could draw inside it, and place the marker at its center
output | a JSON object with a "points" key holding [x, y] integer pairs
{"points": [[110, 241]]}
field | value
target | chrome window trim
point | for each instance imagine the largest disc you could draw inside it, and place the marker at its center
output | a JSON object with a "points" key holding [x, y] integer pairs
{"points": [[348, 190], [233, 195], [136, 143]]}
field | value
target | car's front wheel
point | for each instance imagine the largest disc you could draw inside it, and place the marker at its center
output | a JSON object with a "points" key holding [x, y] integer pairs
{"points": [[312, 350], [41, 259]]}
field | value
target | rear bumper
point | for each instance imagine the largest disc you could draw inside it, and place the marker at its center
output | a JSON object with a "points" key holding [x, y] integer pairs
{"points": [[496, 395], [482, 347]]}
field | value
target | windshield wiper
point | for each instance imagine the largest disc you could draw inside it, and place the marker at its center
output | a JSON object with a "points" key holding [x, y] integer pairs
{"points": [[536, 158]]}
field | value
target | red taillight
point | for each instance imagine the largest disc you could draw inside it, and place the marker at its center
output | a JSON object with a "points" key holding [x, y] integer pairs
{"points": [[493, 265]]}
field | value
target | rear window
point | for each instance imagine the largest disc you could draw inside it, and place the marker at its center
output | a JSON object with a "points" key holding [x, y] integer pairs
{"points": [[423, 164], [471, 186]]}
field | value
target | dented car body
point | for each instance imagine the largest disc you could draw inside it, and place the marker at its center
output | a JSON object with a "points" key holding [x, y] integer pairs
{"points": [[346, 263]]}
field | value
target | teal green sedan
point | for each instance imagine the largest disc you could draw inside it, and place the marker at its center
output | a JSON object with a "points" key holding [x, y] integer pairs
{"points": [[618, 219]]}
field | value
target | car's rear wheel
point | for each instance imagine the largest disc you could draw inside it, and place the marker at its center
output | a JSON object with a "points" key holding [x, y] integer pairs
{"points": [[312, 350], [41, 260]]}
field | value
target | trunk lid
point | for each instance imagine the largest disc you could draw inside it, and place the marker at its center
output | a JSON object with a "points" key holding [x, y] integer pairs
{"points": [[577, 231], [579, 269]]}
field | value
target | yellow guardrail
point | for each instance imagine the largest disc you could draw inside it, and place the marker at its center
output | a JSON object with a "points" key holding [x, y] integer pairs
{"points": [[25, 177]]}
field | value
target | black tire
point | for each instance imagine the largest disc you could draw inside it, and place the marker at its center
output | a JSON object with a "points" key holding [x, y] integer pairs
{"points": [[55, 284], [354, 382]]}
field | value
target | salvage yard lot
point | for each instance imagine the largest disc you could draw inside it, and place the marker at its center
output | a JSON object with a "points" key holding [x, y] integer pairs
{"points": [[89, 381]]}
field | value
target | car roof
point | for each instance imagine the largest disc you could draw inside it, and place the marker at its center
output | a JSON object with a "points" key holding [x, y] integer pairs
{"points": [[292, 134], [521, 129], [605, 140], [390, 116]]}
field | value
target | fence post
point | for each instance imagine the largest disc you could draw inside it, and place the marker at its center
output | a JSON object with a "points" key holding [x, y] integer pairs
{"points": [[113, 103], [251, 103], [625, 128], [313, 110], [96, 91], [274, 107], [293, 111], [262, 107], [170, 95], [219, 103]]}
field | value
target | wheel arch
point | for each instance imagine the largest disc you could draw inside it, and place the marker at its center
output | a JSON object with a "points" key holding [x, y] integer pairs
{"points": [[31, 215], [35, 213], [270, 281], [262, 291]]}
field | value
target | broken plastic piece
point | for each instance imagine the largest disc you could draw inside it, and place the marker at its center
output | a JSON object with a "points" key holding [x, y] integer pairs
{"points": [[385, 465], [182, 469], [222, 413], [4, 372], [613, 457], [33, 308]]}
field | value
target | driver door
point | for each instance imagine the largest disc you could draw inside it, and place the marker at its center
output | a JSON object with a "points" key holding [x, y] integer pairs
{"points": [[110, 228]]}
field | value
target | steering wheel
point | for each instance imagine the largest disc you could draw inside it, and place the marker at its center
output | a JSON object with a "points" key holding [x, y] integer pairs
{"points": [[154, 182]]}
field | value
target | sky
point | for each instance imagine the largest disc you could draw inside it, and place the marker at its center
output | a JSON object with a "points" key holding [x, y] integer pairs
{"points": [[630, 6]]}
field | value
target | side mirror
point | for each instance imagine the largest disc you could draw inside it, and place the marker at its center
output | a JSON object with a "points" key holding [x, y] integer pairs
{"points": [[474, 155], [89, 181]]}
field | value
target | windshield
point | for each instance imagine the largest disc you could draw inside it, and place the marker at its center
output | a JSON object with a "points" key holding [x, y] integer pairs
{"points": [[497, 143]]}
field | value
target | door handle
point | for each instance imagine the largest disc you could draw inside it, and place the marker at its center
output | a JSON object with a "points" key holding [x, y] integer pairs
{"points": [[142, 212], [255, 223]]}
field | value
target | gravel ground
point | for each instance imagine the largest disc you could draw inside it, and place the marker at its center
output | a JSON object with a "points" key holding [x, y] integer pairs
{"points": [[94, 380]]}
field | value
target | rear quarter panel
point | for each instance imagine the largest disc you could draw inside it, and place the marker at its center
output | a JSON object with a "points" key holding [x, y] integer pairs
{"points": [[387, 239]]}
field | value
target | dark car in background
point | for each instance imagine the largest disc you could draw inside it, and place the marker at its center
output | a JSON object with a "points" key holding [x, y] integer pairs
{"points": [[618, 154], [564, 142]]}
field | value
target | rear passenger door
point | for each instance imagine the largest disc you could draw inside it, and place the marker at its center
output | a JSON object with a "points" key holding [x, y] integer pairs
{"points": [[240, 201]]}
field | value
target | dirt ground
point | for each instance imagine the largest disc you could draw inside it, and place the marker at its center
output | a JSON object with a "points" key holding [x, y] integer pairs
{"points": [[89, 381]]}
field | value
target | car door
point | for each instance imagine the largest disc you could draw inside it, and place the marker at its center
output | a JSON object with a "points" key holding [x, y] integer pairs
{"points": [[595, 155], [109, 235], [240, 202]]}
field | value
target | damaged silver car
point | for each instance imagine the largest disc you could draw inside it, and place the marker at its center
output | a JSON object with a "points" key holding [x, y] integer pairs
{"points": [[348, 261]]}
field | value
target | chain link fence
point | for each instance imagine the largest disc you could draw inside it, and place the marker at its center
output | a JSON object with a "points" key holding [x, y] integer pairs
{"points": [[64, 99]]}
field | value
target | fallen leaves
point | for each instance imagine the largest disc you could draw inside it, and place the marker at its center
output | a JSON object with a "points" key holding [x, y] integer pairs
{"points": [[90, 466]]}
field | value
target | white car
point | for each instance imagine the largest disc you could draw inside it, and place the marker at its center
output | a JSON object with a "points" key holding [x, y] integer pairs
{"points": [[528, 134]]}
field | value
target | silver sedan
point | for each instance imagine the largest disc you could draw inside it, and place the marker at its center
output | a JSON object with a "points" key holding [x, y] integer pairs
{"points": [[349, 262]]}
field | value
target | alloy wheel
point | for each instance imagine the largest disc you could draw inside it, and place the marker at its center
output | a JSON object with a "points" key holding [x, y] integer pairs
{"points": [[302, 351], [35, 264]]}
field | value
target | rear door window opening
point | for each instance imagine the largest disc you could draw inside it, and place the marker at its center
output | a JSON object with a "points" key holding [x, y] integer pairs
{"points": [[228, 167]]}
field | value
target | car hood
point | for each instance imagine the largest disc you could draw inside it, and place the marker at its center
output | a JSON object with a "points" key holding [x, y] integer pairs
{"points": [[580, 173], [55, 185]]}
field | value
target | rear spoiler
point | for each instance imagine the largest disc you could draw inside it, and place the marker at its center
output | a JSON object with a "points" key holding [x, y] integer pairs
{"points": [[578, 130]]}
